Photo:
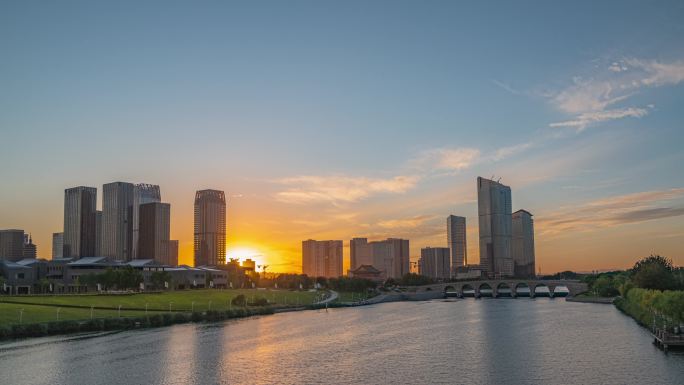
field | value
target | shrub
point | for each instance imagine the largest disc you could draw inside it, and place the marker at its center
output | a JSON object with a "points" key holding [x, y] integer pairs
{"points": [[240, 300]]}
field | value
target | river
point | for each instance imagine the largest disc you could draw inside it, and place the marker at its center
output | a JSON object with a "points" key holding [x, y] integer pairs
{"points": [[488, 341]]}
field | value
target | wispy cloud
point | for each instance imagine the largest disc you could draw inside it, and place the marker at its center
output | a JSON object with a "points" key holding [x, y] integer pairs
{"points": [[506, 87], [338, 189], [593, 100], [452, 159], [614, 211], [404, 223], [583, 120]]}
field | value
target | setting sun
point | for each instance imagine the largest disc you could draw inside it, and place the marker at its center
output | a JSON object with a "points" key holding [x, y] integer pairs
{"points": [[243, 253]]}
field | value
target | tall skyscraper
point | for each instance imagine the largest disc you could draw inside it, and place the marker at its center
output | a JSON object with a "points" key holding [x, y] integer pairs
{"points": [[142, 193], [494, 210], [322, 258], [79, 222], [456, 239], [390, 256], [435, 262], [57, 245], [12, 244], [522, 246], [155, 230], [210, 228], [30, 249], [117, 221]]}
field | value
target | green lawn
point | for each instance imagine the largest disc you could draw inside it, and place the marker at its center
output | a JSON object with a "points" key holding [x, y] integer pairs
{"points": [[10, 313], [177, 300]]}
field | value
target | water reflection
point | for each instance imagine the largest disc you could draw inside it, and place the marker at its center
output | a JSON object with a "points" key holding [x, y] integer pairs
{"points": [[538, 341]]}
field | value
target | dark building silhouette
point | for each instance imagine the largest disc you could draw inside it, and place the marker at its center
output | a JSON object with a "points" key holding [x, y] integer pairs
{"points": [[210, 228]]}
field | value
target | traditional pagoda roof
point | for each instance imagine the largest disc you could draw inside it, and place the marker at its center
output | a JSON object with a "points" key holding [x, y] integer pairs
{"points": [[369, 269]]}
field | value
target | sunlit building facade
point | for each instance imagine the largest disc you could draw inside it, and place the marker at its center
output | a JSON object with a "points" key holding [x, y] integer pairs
{"points": [[79, 222], [322, 258], [522, 246], [210, 228], [390, 257], [494, 212]]}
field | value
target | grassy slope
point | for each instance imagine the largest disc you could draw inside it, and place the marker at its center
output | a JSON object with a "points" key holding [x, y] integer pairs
{"points": [[180, 301]]}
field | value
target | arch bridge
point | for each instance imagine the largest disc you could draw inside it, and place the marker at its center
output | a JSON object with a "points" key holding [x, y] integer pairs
{"points": [[507, 287]]}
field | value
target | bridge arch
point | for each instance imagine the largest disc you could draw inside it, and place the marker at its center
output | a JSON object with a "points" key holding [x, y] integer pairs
{"points": [[467, 290], [450, 291], [561, 291], [503, 289], [485, 290], [522, 289], [541, 290]]}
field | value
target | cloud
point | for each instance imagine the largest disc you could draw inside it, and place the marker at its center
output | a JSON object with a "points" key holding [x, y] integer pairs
{"points": [[505, 152], [404, 223], [585, 119], [506, 87], [340, 189], [613, 211], [591, 101], [454, 159]]}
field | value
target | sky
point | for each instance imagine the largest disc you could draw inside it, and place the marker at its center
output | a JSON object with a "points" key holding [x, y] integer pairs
{"points": [[333, 120]]}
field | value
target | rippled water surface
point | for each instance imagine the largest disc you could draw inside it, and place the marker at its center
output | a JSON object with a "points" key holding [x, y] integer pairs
{"points": [[514, 341]]}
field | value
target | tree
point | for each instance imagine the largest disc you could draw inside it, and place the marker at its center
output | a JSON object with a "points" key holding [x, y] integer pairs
{"points": [[413, 279], [159, 277], [240, 300], [654, 272]]}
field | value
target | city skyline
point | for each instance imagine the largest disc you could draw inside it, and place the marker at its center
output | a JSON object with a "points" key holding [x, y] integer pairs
{"points": [[319, 128]]}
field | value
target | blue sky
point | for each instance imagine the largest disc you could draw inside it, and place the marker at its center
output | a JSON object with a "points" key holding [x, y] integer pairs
{"points": [[340, 119]]}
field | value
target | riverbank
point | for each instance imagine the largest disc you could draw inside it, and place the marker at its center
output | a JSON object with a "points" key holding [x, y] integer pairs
{"points": [[42, 315], [586, 299]]}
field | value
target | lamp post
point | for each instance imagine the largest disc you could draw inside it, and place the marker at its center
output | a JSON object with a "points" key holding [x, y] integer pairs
{"points": [[58, 309]]}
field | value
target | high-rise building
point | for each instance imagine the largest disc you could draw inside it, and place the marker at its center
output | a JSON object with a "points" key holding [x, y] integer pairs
{"points": [[456, 239], [155, 229], [173, 253], [57, 245], [117, 222], [522, 245], [435, 262], [322, 258], [390, 257], [12, 244], [142, 193], [494, 211], [98, 233], [79, 222], [210, 228], [30, 250]]}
